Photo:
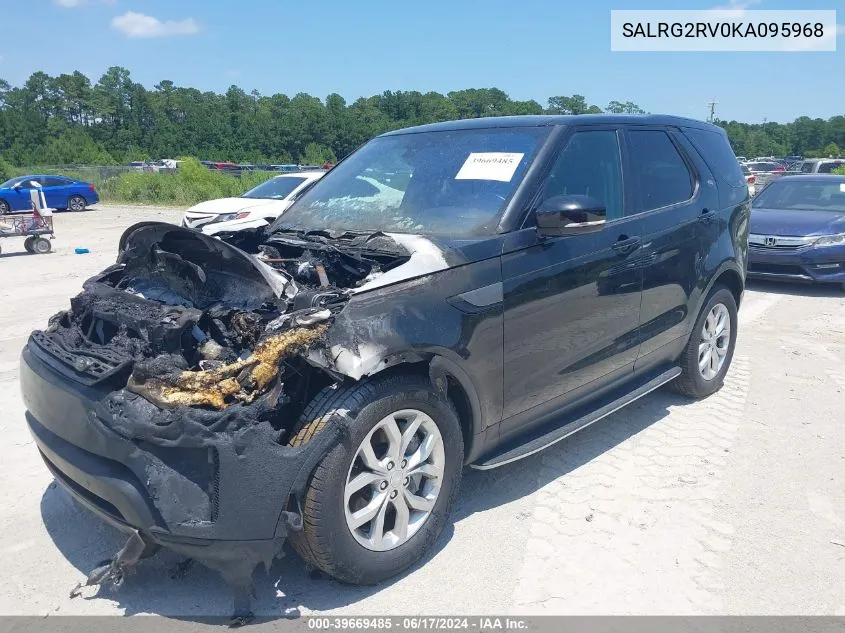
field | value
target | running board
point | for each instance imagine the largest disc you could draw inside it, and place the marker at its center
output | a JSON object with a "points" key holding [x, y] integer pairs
{"points": [[556, 435]]}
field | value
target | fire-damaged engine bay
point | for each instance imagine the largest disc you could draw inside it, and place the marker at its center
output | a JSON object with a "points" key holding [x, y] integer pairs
{"points": [[200, 351], [182, 321]]}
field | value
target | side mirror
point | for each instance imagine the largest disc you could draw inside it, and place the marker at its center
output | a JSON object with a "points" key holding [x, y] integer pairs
{"points": [[570, 215]]}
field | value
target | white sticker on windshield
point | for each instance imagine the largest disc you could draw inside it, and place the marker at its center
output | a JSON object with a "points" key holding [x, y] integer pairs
{"points": [[499, 166], [842, 187]]}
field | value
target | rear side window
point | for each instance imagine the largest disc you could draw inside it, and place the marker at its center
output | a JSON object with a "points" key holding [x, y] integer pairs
{"points": [[827, 168], [52, 181], [660, 173], [717, 153]]}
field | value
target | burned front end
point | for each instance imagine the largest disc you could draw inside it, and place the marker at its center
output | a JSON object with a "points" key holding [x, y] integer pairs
{"points": [[165, 399]]}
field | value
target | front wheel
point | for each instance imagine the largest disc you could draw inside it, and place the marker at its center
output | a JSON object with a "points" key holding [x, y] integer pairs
{"points": [[4, 207], [376, 504], [27, 244], [709, 351]]}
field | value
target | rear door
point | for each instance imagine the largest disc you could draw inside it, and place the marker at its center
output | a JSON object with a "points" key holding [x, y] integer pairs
{"points": [[56, 191], [677, 200], [572, 303]]}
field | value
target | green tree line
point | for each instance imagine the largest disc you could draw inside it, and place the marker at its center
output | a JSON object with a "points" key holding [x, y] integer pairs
{"points": [[67, 120]]}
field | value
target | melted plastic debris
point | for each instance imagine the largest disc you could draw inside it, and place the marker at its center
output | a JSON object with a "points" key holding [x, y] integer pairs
{"points": [[240, 381]]}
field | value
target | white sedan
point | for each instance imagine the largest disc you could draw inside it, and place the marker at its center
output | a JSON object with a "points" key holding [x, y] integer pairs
{"points": [[256, 208]]}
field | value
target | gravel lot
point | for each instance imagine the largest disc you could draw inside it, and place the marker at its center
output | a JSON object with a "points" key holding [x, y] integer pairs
{"points": [[731, 505]]}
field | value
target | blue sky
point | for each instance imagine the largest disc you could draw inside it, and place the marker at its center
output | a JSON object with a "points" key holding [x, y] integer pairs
{"points": [[530, 49]]}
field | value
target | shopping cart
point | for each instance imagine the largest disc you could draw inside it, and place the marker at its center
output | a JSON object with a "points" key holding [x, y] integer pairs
{"points": [[36, 228]]}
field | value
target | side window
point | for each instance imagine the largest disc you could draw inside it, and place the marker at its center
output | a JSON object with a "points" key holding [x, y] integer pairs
{"points": [[52, 181], [590, 165], [661, 175], [807, 167], [827, 168], [717, 153]]}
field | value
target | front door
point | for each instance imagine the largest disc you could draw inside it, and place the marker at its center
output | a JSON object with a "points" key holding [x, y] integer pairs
{"points": [[20, 200], [572, 304]]}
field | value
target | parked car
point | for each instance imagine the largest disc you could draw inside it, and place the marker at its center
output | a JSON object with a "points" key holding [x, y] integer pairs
{"points": [[821, 165], [140, 166], [750, 179], [741, 159], [255, 208], [765, 172], [59, 192], [798, 230], [330, 385]]}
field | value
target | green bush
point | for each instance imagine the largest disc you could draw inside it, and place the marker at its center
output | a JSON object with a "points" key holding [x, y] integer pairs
{"points": [[192, 183], [839, 171]]}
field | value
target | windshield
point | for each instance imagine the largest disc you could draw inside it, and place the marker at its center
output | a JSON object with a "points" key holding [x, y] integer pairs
{"points": [[453, 183], [792, 195], [275, 188]]}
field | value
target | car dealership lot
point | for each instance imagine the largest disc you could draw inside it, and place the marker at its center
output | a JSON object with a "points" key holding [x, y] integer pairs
{"points": [[729, 505]]}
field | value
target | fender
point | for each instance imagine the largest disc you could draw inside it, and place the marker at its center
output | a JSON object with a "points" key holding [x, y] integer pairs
{"points": [[439, 369], [726, 265]]}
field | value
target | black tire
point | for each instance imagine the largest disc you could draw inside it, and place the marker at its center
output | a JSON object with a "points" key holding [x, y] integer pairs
{"points": [[326, 542], [27, 244], [76, 203], [4, 207], [691, 383], [41, 246]]}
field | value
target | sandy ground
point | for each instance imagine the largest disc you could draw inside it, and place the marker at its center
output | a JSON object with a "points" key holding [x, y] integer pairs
{"points": [[733, 505]]}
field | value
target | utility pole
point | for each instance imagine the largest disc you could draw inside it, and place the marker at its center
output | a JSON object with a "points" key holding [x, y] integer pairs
{"points": [[712, 106]]}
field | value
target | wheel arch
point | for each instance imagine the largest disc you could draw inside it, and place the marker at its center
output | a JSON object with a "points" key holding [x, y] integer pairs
{"points": [[449, 380], [728, 275]]}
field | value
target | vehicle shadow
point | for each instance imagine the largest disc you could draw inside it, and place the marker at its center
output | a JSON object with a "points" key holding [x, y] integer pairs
{"points": [[795, 289], [14, 254], [164, 585]]}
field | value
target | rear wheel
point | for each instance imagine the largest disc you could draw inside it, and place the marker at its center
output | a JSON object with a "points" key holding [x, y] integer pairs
{"points": [[4, 207], [77, 203], [376, 504], [41, 245], [709, 352]]}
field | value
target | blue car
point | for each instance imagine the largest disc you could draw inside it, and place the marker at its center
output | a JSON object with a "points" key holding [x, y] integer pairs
{"points": [[798, 230], [59, 191]]}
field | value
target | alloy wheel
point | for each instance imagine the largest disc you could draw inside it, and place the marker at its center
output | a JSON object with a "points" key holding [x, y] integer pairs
{"points": [[715, 341], [394, 480]]}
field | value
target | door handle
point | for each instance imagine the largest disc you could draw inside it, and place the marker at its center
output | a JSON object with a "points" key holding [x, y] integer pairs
{"points": [[707, 216], [625, 244]]}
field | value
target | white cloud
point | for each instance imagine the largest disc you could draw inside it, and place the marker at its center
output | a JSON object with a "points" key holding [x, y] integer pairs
{"points": [[137, 25]]}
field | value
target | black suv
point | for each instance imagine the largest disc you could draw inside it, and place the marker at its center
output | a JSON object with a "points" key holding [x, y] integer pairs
{"points": [[326, 379]]}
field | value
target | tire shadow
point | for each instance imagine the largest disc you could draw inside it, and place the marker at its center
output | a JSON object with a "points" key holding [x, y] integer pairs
{"points": [[163, 585]]}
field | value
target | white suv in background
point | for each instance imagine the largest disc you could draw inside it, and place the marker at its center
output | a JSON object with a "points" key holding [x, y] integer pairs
{"points": [[257, 207]]}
